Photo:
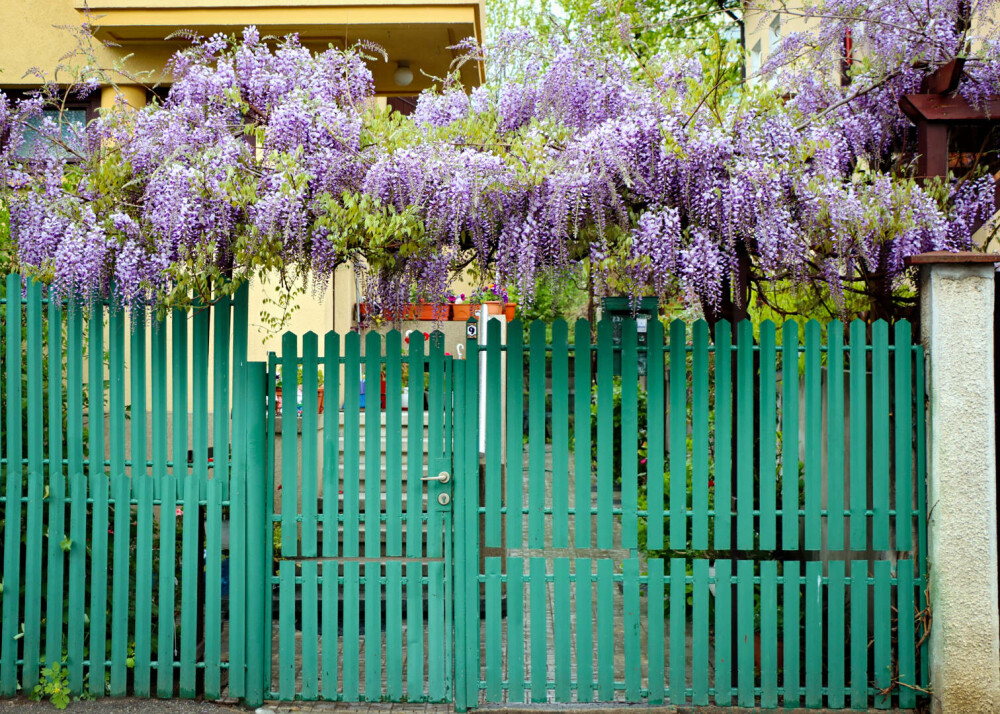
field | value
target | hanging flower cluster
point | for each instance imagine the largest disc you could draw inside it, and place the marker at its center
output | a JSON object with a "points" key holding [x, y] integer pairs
{"points": [[668, 172]]}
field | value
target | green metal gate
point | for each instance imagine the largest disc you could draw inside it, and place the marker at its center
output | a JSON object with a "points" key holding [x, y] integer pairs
{"points": [[360, 552]]}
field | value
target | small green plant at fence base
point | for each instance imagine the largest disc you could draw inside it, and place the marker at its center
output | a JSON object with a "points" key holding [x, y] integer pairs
{"points": [[54, 686]]}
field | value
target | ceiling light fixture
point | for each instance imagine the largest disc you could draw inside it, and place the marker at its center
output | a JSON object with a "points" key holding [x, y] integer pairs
{"points": [[403, 75]]}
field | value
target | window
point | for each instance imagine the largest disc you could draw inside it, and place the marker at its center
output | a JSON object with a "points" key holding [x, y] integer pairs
{"points": [[755, 59], [75, 118], [774, 34], [74, 121]]}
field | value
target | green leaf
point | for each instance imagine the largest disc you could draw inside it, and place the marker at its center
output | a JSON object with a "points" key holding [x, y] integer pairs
{"points": [[65, 544]]}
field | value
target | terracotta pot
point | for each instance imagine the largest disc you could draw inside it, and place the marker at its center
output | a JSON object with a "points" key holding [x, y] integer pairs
{"points": [[277, 399], [493, 307], [510, 310], [319, 399], [429, 312], [462, 311]]}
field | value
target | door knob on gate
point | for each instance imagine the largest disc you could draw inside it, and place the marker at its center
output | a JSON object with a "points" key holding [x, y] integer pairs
{"points": [[443, 477]]}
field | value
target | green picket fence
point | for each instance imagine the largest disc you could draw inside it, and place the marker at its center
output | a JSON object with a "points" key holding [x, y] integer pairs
{"points": [[727, 519], [113, 515]]}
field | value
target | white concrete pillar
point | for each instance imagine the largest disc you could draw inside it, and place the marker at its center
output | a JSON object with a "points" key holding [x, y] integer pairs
{"points": [[956, 314]]}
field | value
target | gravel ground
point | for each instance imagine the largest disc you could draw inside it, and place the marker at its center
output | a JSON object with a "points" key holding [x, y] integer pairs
{"points": [[127, 705]]}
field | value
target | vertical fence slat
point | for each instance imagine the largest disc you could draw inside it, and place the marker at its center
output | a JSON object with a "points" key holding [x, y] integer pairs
{"points": [[835, 435], [723, 625], [179, 480], [461, 564], [78, 494], [436, 521], [678, 630], [605, 445], [605, 630], [745, 633], [289, 513], [859, 435], [99, 492], [700, 474], [585, 629], [494, 645], [259, 533], [414, 496], [213, 588], [142, 485], [814, 634], [393, 443], [218, 488], [768, 630], [880, 436], [331, 509], [882, 634], [583, 499], [56, 557], [121, 599], [515, 435], [630, 625], [655, 406], [655, 627], [723, 448], [790, 435], [237, 496], [902, 411], [372, 525], [536, 439], [767, 436], [538, 592], [473, 595], [790, 679], [394, 512], [310, 522], [168, 519], [560, 435], [352, 475], [678, 436], [493, 530], [700, 633], [562, 630], [195, 487], [36, 485], [629, 436], [907, 637], [814, 438], [835, 635], [859, 634], [744, 437], [515, 628]]}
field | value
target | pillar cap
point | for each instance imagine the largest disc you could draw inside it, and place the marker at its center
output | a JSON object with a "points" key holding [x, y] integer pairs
{"points": [[940, 257]]}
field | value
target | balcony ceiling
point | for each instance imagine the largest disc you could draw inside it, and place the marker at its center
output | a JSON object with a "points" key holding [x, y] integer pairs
{"points": [[420, 34]]}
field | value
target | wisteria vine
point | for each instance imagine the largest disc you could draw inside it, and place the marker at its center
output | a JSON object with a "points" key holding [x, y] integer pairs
{"points": [[667, 172]]}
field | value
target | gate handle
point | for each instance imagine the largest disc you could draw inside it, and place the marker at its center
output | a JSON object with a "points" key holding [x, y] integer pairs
{"points": [[443, 477]]}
